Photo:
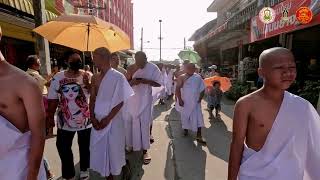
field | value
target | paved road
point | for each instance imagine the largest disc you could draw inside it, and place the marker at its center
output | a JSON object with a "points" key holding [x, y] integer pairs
{"points": [[174, 157]]}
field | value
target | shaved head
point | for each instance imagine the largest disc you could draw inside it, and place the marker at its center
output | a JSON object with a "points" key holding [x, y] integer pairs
{"points": [[101, 58], [141, 59], [268, 56], [277, 67], [190, 68], [191, 65], [141, 54], [103, 52]]}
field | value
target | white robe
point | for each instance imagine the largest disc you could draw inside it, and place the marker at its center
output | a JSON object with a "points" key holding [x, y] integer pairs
{"points": [[191, 113], [156, 92], [139, 107], [164, 77], [292, 148], [107, 146], [14, 152], [169, 83]]}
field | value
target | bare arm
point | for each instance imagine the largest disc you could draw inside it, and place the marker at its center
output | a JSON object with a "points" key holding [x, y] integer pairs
{"points": [[240, 121], [32, 99], [92, 103], [178, 88], [105, 121], [150, 82], [201, 96]]}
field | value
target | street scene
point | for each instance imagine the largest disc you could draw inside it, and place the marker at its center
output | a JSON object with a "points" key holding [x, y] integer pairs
{"points": [[175, 156], [159, 90]]}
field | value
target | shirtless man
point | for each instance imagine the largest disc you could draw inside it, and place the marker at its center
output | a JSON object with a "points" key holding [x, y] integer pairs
{"points": [[261, 126], [21, 104]]}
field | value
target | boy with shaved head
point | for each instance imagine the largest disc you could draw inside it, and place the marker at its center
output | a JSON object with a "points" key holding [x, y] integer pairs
{"points": [[275, 133]]}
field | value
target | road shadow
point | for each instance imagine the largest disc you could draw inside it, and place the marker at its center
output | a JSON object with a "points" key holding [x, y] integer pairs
{"points": [[158, 109], [135, 160], [189, 156], [169, 171], [227, 107], [218, 139], [93, 175]]}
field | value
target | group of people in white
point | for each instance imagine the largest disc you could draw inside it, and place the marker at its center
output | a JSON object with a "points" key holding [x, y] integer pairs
{"points": [[111, 112], [275, 133]]}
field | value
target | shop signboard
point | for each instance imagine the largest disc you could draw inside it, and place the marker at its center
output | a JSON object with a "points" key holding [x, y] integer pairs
{"points": [[286, 19]]}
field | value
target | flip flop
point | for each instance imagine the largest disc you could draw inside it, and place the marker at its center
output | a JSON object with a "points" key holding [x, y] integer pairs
{"points": [[151, 140], [201, 140], [84, 175], [146, 159]]}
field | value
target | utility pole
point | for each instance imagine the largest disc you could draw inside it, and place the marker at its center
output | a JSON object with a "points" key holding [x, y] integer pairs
{"points": [[160, 21], [42, 45], [141, 39], [92, 9], [184, 43]]}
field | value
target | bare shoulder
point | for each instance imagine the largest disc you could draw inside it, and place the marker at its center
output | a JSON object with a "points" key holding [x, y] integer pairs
{"points": [[131, 68], [20, 76], [26, 84], [182, 76], [248, 101]]}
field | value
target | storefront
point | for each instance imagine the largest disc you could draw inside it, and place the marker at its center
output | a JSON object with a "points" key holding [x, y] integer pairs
{"points": [[302, 39], [16, 21]]}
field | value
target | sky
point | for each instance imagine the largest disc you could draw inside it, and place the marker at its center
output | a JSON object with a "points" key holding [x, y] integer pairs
{"points": [[180, 19]]}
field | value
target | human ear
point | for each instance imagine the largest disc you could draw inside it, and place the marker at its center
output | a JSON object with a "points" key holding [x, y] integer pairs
{"points": [[260, 72]]}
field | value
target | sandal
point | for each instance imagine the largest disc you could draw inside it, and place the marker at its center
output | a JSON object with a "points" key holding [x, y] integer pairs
{"points": [[84, 175], [201, 140], [146, 159]]}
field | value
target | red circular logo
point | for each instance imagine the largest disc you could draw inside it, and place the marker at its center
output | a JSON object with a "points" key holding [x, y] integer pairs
{"points": [[304, 15]]}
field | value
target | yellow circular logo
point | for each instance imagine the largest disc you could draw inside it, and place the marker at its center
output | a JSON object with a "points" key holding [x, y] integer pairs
{"points": [[267, 15]]}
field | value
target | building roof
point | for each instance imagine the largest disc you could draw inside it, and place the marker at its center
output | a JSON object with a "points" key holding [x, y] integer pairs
{"points": [[204, 30], [216, 5]]}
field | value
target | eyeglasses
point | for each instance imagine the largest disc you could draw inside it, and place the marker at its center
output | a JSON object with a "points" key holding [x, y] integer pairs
{"points": [[66, 89]]}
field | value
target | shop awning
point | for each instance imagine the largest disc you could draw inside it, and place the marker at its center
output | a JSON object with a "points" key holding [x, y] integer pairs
{"points": [[26, 6]]}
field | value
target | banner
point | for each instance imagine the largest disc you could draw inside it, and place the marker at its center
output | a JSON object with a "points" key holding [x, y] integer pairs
{"points": [[260, 31]]}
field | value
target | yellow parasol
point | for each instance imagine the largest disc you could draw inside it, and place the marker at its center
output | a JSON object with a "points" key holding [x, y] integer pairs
{"points": [[84, 33]]}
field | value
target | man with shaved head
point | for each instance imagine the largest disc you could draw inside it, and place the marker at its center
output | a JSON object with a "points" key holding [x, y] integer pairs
{"points": [[190, 91], [142, 77], [22, 125], [275, 133], [109, 91]]}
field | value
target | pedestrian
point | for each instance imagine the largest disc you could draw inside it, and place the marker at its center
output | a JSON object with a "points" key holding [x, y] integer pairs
{"points": [[169, 82], [275, 132], [115, 63], [22, 125], [143, 76], [190, 91], [214, 99], [33, 64], [110, 89], [69, 92], [164, 77]]}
